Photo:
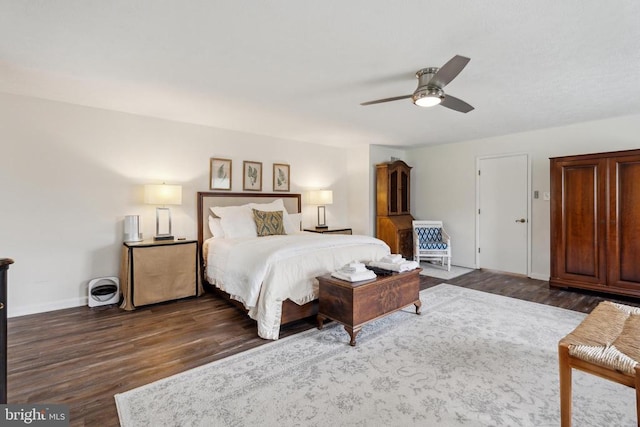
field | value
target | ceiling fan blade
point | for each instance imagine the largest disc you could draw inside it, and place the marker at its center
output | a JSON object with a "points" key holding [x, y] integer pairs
{"points": [[379, 101], [456, 104], [449, 71]]}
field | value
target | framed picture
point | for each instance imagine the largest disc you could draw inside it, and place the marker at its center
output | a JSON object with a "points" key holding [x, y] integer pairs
{"points": [[280, 177], [220, 174], [252, 176]]}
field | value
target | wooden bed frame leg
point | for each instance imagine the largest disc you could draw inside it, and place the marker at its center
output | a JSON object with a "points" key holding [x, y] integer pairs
{"points": [[320, 319], [565, 385]]}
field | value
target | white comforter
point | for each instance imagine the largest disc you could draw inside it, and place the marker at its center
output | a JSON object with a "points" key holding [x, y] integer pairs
{"points": [[262, 272]]}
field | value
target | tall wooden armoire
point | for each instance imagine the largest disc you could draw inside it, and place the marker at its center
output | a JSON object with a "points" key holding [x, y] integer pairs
{"points": [[393, 214], [595, 222]]}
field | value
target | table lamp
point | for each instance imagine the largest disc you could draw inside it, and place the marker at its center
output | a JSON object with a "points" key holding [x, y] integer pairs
{"points": [[321, 198], [163, 194]]}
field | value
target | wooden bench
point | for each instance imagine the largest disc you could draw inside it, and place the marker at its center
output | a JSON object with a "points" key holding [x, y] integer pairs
{"points": [[606, 344]]}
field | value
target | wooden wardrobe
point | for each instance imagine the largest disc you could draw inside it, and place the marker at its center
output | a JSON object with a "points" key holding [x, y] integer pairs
{"points": [[393, 213], [595, 222]]}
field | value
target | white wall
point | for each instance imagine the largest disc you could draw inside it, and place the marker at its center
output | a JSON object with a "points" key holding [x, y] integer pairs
{"points": [[444, 178], [69, 175], [359, 197]]}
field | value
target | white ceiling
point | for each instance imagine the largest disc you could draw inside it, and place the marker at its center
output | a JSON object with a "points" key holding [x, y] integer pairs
{"points": [[299, 69]]}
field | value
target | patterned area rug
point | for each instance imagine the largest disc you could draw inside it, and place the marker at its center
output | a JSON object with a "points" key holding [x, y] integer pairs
{"points": [[440, 272], [471, 358]]}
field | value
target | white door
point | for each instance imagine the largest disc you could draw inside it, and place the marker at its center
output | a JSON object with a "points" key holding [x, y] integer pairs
{"points": [[503, 213]]}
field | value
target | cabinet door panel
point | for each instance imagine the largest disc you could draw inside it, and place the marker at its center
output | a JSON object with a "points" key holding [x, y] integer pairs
{"points": [[580, 221], [624, 226], [578, 208], [404, 191], [393, 192], [406, 243]]}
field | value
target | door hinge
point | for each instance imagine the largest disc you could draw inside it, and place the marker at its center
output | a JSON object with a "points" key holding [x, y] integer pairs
{"points": [[478, 211], [478, 172], [478, 250]]}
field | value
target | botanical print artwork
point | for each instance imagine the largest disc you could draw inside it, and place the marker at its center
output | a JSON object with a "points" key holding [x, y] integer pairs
{"points": [[220, 174], [252, 176], [280, 177]]}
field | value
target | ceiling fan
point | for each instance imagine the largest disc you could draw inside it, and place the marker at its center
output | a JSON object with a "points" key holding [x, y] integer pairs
{"points": [[430, 83]]}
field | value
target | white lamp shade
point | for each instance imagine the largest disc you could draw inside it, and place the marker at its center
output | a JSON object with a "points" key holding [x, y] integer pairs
{"points": [[320, 197], [163, 194]]}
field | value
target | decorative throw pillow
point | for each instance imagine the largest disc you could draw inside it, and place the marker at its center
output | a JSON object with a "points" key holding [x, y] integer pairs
{"points": [[291, 225], [268, 223]]}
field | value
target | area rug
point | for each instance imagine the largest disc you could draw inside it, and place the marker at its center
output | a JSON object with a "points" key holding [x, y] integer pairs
{"points": [[470, 359], [440, 272]]}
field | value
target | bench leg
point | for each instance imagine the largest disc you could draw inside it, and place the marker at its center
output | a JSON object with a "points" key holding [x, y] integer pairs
{"points": [[565, 385], [353, 332], [638, 395], [418, 304]]}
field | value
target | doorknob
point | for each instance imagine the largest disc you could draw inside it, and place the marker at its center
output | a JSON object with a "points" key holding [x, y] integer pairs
{"points": [[521, 220]]}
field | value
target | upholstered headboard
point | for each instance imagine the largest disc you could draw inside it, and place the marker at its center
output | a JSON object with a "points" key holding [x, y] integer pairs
{"points": [[292, 202]]}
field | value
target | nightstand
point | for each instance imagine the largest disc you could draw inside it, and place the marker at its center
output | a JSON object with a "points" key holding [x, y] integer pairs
{"points": [[329, 230], [158, 271]]}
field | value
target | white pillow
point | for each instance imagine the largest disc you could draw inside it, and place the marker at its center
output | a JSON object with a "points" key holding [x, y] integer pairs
{"points": [[215, 226], [236, 221], [294, 222], [276, 205], [291, 225]]}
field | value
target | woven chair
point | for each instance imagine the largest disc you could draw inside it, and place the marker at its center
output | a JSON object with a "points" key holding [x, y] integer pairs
{"points": [[606, 344], [431, 242]]}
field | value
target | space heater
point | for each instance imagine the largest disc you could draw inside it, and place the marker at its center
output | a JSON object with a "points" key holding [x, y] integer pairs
{"points": [[104, 291]]}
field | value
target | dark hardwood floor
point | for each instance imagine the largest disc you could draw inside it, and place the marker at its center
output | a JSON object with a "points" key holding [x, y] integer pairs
{"points": [[82, 356]]}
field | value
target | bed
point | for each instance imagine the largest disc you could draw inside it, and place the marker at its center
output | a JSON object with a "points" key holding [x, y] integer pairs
{"points": [[272, 277]]}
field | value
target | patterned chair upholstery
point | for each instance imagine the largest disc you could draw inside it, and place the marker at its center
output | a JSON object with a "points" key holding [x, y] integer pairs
{"points": [[431, 242]]}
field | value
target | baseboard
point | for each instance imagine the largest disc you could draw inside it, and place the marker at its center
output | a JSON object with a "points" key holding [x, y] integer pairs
{"points": [[472, 267], [45, 307], [539, 276]]}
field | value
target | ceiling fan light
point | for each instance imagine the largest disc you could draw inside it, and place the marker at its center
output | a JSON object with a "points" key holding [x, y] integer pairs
{"points": [[428, 101], [428, 98]]}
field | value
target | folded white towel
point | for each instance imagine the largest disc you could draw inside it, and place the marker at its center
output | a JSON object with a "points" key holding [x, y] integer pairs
{"points": [[399, 268], [354, 277], [393, 259], [353, 267]]}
